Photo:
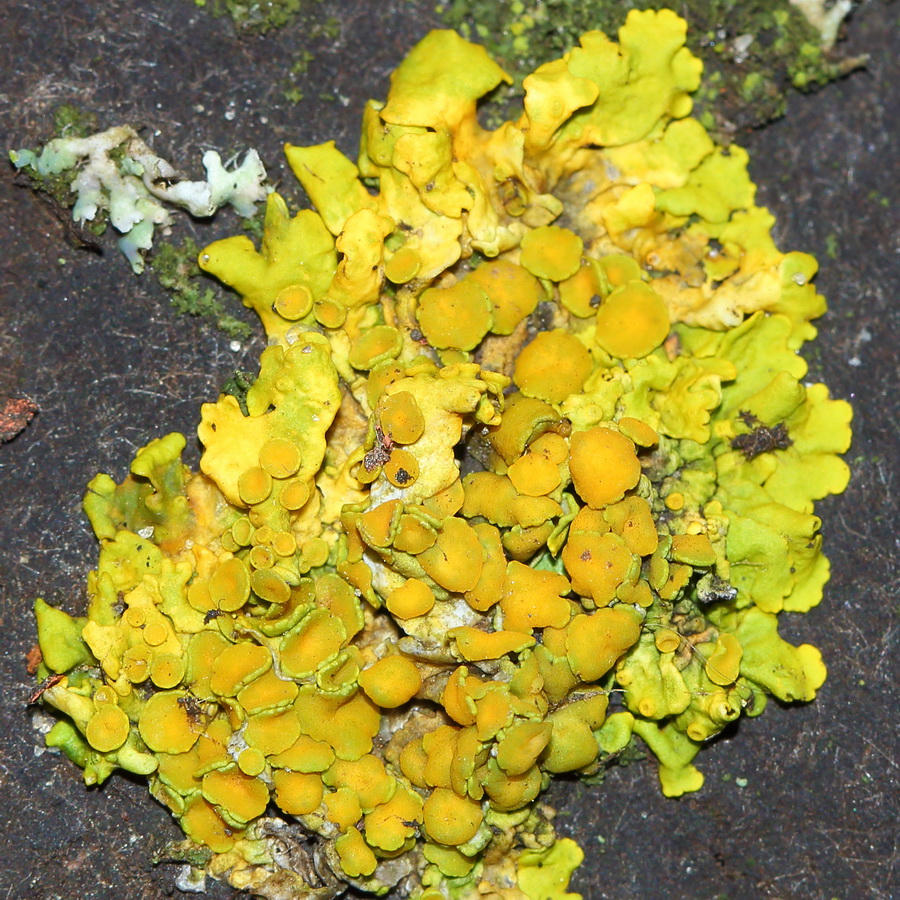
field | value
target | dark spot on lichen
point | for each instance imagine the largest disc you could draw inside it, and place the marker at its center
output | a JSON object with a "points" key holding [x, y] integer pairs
{"points": [[380, 452], [714, 589], [761, 439]]}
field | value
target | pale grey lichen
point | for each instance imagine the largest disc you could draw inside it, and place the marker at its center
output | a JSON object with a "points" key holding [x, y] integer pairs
{"points": [[116, 173], [825, 16]]}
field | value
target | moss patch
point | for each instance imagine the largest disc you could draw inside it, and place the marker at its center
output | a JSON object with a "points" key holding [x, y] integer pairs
{"points": [[190, 292]]}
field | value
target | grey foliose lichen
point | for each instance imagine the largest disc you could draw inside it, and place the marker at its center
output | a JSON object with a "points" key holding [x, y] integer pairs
{"points": [[114, 174]]}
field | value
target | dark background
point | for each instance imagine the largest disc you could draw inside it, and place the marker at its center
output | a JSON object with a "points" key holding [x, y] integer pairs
{"points": [[800, 803]]}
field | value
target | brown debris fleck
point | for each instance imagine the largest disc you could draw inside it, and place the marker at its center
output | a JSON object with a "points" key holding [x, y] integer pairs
{"points": [[46, 684], [762, 439], [15, 414], [33, 659], [380, 453]]}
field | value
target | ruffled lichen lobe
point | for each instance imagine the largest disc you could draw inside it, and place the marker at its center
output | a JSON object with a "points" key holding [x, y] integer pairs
{"points": [[754, 54], [529, 468]]}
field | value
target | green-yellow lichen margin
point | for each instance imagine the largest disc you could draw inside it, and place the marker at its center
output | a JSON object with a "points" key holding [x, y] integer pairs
{"points": [[335, 638]]}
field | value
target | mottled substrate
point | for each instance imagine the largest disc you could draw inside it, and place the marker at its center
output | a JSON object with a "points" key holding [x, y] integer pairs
{"points": [[528, 469], [754, 54]]}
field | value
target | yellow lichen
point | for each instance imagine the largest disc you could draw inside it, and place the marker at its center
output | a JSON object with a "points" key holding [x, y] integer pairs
{"points": [[553, 366], [632, 321], [514, 293], [604, 466], [530, 431], [455, 317], [533, 599], [450, 819], [551, 252], [391, 681]]}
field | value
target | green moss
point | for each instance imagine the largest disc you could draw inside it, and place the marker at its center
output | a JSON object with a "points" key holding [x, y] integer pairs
{"points": [[259, 17], [255, 16], [183, 852], [58, 189], [293, 86], [239, 382], [330, 29], [72, 121], [291, 90], [253, 227], [753, 88], [176, 269]]}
